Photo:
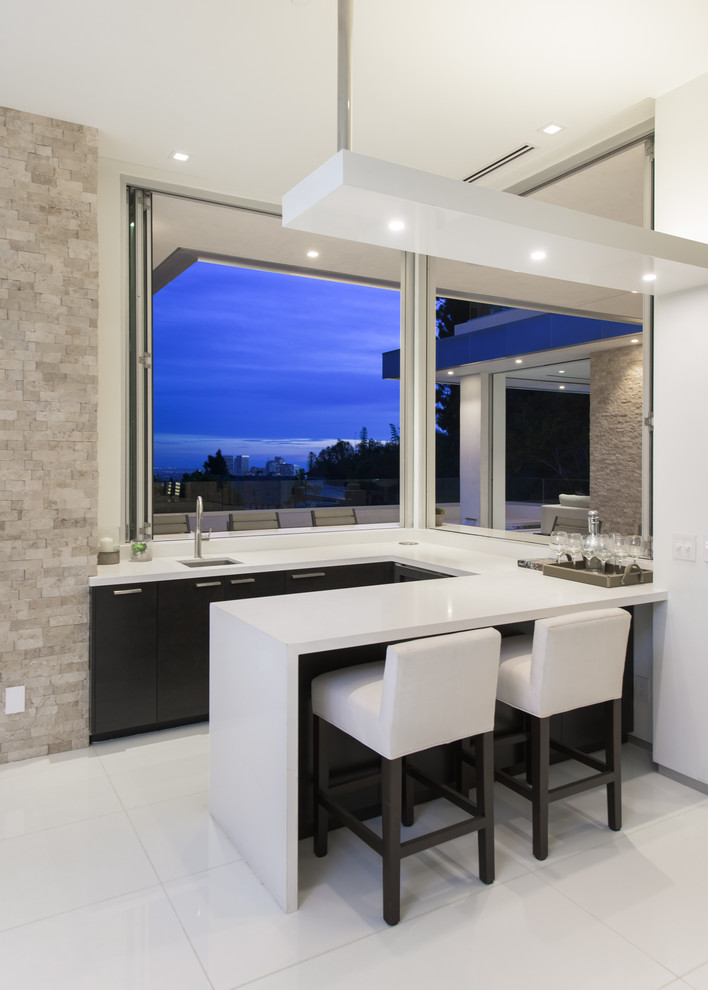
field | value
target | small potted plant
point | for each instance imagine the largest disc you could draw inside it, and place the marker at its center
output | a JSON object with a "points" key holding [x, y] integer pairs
{"points": [[140, 551], [439, 515]]}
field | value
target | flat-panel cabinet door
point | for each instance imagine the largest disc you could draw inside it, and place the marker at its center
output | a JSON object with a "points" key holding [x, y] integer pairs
{"points": [[339, 576], [123, 653], [258, 585], [183, 647]]}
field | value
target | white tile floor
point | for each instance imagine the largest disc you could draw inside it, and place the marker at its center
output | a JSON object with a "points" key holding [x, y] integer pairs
{"points": [[113, 877]]}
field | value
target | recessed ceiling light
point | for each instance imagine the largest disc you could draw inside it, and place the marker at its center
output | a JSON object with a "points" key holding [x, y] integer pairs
{"points": [[538, 255], [396, 225], [313, 254], [551, 128], [518, 361], [179, 156], [561, 371], [650, 277], [634, 340], [561, 387]]}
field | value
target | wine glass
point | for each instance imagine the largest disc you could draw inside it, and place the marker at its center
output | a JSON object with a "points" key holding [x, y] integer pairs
{"points": [[574, 545], [589, 550], [633, 547], [557, 542], [617, 543], [604, 552]]}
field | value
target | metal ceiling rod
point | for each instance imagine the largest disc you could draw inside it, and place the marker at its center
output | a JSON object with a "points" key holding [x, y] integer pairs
{"points": [[344, 74]]}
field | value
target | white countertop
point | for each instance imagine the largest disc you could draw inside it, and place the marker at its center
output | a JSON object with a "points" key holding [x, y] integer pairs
{"points": [[491, 590], [276, 552], [490, 587]]}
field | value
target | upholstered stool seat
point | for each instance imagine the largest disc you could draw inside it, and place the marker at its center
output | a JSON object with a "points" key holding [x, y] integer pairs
{"points": [[570, 662], [428, 692]]}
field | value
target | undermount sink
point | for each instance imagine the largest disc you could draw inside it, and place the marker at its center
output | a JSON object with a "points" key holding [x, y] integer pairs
{"points": [[208, 562]]}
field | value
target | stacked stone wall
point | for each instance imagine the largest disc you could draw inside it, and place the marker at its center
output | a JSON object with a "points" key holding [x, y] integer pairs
{"points": [[48, 439], [616, 386]]}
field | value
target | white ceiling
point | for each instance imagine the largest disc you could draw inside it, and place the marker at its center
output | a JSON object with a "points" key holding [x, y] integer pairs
{"points": [[611, 188], [247, 87]]}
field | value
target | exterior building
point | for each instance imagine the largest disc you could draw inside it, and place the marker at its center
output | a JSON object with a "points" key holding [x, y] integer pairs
{"points": [[241, 464], [278, 467]]}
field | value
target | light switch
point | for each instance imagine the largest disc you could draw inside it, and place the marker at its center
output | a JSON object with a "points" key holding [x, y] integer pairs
{"points": [[683, 547]]}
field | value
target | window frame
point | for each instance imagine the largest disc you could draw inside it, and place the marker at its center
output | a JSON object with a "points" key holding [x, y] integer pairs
{"points": [[138, 522]]}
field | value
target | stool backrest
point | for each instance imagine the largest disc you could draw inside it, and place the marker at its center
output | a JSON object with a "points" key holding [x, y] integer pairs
{"points": [[439, 689], [578, 659]]}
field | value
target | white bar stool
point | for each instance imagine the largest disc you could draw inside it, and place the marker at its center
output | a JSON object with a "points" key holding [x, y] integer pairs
{"points": [[571, 661], [428, 692]]}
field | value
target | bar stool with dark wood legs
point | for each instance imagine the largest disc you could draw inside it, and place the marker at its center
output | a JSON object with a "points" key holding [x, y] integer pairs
{"points": [[428, 692], [571, 661]]}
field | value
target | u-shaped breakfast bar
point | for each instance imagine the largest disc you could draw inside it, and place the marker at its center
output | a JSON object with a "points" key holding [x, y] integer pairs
{"points": [[257, 647]]}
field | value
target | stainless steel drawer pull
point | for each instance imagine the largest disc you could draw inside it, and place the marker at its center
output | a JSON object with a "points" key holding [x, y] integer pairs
{"points": [[208, 584], [308, 574], [128, 591], [243, 580]]}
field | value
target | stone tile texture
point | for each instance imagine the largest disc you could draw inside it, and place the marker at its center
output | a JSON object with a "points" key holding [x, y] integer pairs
{"points": [[48, 438], [616, 386]]}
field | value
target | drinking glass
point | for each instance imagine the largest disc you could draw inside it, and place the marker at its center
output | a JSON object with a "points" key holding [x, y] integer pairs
{"points": [[633, 546], [589, 550], [574, 545], [557, 542], [604, 552], [617, 544]]}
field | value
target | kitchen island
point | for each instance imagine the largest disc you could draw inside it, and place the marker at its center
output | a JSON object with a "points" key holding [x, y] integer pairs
{"points": [[256, 650]]}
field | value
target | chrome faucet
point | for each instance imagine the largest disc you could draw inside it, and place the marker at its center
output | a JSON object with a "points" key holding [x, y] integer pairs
{"points": [[198, 535]]}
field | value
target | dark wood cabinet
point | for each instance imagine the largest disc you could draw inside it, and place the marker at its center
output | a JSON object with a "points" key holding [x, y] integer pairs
{"points": [[183, 638], [254, 585], [150, 641], [123, 645], [341, 576], [183, 647]]}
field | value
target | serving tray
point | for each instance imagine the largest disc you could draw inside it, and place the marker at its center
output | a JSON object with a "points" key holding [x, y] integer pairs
{"points": [[614, 577]]}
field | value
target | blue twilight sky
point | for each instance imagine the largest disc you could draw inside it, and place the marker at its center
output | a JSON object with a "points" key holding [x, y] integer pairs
{"points": [[266, 364]]}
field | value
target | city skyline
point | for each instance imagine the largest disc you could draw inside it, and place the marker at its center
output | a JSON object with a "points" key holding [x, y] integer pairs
{"points": [[294, 362]]}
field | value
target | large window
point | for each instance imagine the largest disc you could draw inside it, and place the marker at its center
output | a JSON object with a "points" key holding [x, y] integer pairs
{"points": [[543, 404], [267, 394]]}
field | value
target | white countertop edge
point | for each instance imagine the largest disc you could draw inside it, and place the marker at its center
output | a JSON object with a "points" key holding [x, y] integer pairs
{"points": [[387, 613]]}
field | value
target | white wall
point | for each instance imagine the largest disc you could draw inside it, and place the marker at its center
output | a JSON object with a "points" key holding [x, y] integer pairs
{"points": [[680, 461], [473, 426]]}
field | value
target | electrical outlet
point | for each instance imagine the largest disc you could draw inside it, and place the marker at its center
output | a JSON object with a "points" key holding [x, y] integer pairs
{"points": [[14, 700], [683, 547]]}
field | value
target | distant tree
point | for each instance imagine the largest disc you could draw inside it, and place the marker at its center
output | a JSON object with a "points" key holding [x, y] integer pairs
{"points": [[449, 313], [369, 459], [215, 465], [214, 469], [194, 476]]}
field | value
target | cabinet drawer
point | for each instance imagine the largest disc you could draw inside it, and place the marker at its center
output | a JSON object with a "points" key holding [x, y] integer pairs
{"points": [[340, 576], [254, 585]]}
